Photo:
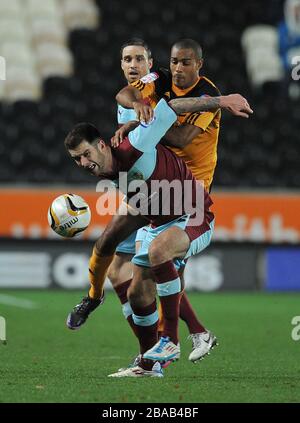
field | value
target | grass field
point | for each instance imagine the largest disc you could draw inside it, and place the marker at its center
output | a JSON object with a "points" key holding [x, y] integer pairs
{"points": [[256, 361]]}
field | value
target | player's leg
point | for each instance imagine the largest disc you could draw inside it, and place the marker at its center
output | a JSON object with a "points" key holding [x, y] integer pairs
{"points": [[141, 295], [120, 275], [186, 313], [169, 244], [172, 243], [142, 298], [120, 227], [203, 340], [167, 280], [121, 269], [137, 289]]}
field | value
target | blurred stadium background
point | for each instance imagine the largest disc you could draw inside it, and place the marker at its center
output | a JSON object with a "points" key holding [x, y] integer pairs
{"points": [[63, 66]]}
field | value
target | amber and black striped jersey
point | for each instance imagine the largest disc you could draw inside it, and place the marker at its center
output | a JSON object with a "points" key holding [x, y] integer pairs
{"points": [[201, 154]]}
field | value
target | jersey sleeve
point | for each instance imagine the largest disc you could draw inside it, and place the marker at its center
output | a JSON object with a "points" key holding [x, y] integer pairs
{"points": [[155, 83], [146, 136], [203, 119], [125, 115]]}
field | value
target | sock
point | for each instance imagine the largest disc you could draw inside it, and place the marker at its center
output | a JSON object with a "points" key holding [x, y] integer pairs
{"points": [[98, 268], [160, 314], [121, 291], [168, 289], [187, 314], [145, 319]]}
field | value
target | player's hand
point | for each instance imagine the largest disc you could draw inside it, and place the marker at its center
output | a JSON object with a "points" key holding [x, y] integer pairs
{"points": [[122, 133], [236, 104], [144, 112]]}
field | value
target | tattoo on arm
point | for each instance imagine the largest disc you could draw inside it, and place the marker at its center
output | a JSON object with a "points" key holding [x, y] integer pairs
{"points": [[205, 104]]}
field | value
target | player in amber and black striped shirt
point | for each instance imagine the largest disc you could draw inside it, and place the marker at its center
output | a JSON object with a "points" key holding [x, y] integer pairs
{"points": [[195, 137]]}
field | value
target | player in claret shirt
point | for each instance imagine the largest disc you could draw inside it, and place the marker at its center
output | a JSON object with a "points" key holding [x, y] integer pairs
{"points": [[173, 236]]}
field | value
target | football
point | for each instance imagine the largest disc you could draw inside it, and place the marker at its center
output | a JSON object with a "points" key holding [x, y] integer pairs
{"points": [[69, 215]]}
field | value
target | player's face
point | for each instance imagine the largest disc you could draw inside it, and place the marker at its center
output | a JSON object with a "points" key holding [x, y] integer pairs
{"points": [[92, 157], [184, 67], [135, 63]]}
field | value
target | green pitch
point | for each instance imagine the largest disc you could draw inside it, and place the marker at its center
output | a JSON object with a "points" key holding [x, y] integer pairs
{"points": [[43, 361]]}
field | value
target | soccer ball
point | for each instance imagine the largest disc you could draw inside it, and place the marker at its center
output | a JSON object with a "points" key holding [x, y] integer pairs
{"points": [[69, 215]]}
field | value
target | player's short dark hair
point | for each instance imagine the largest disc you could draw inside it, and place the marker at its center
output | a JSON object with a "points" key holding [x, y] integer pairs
{"points": [[188, 43], [82, 132], [136, 42]]}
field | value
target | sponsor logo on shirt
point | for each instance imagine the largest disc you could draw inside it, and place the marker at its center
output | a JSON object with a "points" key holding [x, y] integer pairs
{"points": [[151, 77]]}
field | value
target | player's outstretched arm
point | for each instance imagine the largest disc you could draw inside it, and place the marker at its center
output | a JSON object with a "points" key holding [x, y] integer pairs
{"points": [[234, 103]]}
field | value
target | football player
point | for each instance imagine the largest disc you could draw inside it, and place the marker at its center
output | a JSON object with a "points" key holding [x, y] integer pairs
{"points": [[139, 153]]}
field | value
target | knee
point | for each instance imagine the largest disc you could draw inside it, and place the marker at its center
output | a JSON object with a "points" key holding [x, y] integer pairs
{"points": [[120, 270], [133, 295], [113, 274], [105, 245], [136, 296], [158, 253]]}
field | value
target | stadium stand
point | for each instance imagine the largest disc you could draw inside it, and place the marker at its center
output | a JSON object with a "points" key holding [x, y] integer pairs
{"points": [[261, 48], [62, 86]]}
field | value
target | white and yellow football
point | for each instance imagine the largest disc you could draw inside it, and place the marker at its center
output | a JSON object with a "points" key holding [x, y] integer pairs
{"points": [[69, 215]]}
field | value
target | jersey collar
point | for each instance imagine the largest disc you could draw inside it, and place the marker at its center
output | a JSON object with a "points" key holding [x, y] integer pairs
{"points": [[179, 92]]}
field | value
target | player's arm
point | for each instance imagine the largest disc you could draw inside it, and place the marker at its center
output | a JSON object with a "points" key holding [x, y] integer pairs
{"points": [[180, 136], [233, 103], [118, 229], [146, 136], [131, 98], [123, 132]]}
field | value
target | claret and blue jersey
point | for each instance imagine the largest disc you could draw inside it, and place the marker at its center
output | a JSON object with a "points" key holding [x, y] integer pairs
{"points": [[143, 158]]}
